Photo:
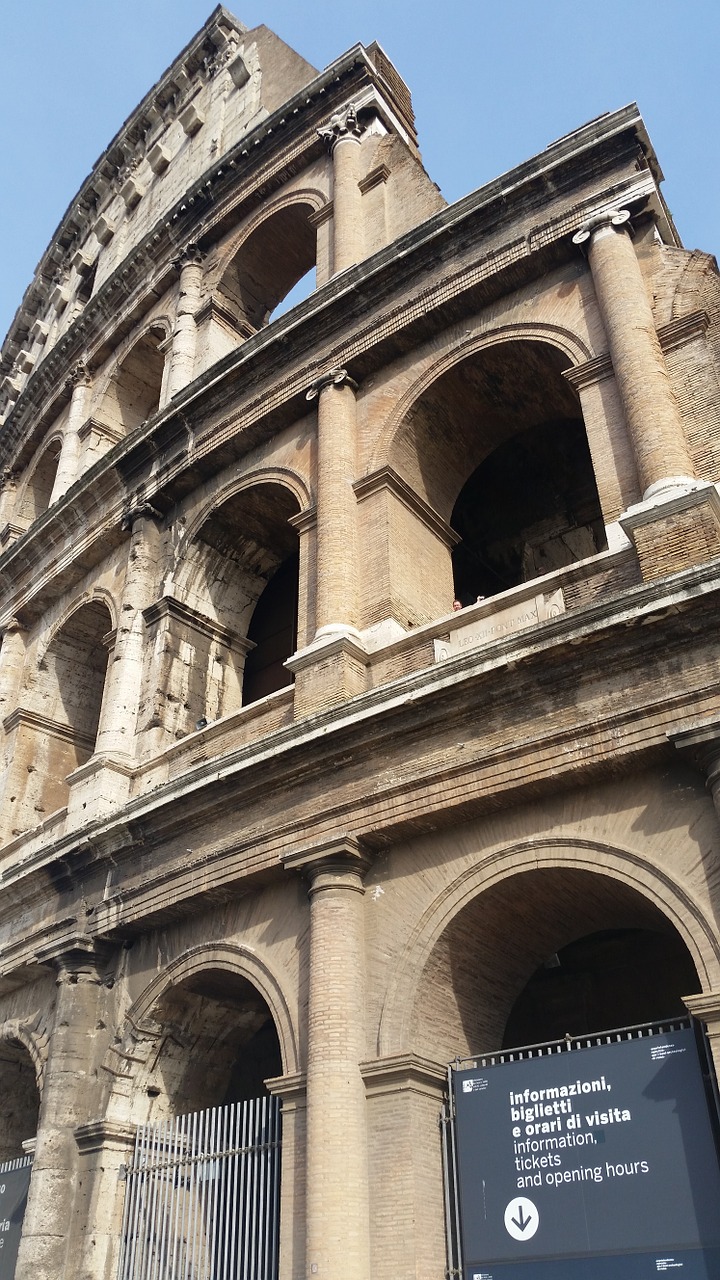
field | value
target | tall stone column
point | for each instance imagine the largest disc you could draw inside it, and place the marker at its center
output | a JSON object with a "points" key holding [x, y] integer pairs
{"points": [[184, 339], [337, 1213], [343, 135], [49, 1237], [8, 493], [78, 413], [336, 602], [651, 410], [118, 716], [12, 660]]}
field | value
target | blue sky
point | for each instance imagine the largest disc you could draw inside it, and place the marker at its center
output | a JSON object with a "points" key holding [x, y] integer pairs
{"points": [[492, 82]]}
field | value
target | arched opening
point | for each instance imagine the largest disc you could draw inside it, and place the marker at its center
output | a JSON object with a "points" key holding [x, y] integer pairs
{"points": [[273, 632], [219, 1044], [38, 490], [20, 1100], [531, 507], [216, 1130], [239, 588], [63, 696], [133, 393], [546, 953], [497, 446], [609, 978], [276, 256]]}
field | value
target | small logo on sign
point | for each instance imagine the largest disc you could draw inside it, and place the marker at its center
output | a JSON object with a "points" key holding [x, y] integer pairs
{"points": [[475, 1085], [521, 1219]]}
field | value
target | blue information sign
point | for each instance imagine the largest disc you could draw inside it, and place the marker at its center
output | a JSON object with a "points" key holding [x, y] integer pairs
{"points": [[13, 1196], [594, 1164]]}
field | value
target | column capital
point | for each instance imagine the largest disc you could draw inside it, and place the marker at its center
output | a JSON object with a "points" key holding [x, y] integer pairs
{"points": [[606, 218], [336, 856], [78, 959], [190, 256], [12, 626], [333, 378], [343, 126], [705, 1007], [700, 744], [79, 376], [144, 510]]}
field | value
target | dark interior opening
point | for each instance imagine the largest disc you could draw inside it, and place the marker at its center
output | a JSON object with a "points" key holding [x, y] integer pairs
{"points": [[531, 507], [612, 978], [273, 630]]}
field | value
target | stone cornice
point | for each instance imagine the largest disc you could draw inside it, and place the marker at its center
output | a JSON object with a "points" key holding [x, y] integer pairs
{"points": [[631, 734], [404, 1073], [51, 728], [149, 268], [169, 607]]}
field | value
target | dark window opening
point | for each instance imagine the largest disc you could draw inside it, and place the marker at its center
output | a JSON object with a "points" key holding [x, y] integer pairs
{"points": [[273, 630], [531, 507], [613, 978]]}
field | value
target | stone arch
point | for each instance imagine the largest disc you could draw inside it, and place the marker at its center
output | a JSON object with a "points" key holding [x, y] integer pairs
{"points": [[132, 388], [228, 958], [491, 436], [58, 715], [34, 496], [572, 346], [311, 196], [665, 896], [23, 1055], [100, 594], [155, 1036], [240, 575], [266, 259], [26, 1032], [291, 479]]}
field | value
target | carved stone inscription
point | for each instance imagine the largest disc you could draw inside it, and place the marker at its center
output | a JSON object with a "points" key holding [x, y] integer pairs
{"points": [[526, 613]]}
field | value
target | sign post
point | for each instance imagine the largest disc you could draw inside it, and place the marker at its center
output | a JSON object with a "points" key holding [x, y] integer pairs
{"points": [[594, 1164]]}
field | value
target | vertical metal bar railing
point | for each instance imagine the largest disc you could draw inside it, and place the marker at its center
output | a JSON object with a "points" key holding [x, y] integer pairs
{"points": [[202, 1196]]}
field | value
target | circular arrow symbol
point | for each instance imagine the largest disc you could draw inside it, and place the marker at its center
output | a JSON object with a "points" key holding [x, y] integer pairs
{"points": [[521, 1219]]}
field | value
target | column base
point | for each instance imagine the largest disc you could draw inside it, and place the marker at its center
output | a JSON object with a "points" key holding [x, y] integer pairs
{"points": [[333, 669], [676, 528]]}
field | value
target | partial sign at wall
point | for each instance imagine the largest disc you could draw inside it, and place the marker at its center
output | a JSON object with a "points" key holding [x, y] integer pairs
{"points": [[595, 1164], [14, 1183]]}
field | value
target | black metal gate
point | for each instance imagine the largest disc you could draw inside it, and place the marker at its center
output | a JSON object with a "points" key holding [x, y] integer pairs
{"points": [[202, 1196]]}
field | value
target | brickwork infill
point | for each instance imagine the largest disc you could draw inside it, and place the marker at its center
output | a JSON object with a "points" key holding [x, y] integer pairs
{"points": [[338, 1232], [651, 410]]}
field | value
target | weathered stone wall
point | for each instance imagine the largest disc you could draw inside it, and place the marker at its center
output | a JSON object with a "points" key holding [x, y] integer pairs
{"points": [[342, 885]]}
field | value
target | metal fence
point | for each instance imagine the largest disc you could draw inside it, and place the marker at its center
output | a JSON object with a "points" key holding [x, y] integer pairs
{"points": [[202, 1196]]}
